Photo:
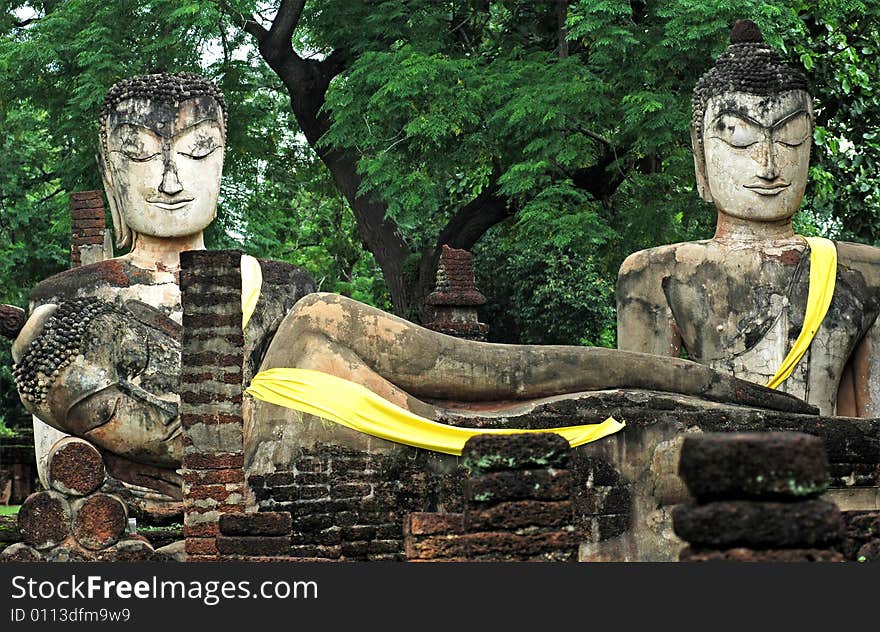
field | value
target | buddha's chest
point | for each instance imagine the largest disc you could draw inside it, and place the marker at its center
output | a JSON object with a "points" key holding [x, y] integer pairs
{"points": [[747, 311]]}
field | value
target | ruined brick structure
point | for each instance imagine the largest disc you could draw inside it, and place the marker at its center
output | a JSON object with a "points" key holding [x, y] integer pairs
{"points": [[89, 236], [211, 395], [456, 298], [757, 499], [518, 506]]}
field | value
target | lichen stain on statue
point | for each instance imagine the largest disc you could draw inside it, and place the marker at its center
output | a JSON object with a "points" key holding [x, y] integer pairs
{"points": [[736, 302]]}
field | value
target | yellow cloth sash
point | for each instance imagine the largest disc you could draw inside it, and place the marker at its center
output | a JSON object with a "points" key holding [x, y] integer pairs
{"points": [[251, 284], [823, 274], [355, 406]]}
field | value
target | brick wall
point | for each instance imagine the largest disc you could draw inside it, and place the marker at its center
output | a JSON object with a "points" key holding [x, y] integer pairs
{"points": [[350, 505]]}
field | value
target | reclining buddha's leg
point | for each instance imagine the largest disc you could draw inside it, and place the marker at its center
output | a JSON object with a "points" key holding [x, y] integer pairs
{"points": [[402, 361]]}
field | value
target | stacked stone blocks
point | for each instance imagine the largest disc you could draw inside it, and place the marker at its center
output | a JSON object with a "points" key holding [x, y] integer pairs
{"points": [[518, 505], [757, 499], [76, 520]]}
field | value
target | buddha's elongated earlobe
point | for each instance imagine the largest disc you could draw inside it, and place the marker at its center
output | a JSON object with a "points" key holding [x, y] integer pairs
{"points": [[700, 168], [120, 228]]}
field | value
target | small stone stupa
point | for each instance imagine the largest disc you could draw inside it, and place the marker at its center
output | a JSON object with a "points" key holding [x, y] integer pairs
{"points": [[456, 297]]}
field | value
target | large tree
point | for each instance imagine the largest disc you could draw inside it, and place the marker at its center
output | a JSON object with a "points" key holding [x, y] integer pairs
{"points": [[440, 120]]}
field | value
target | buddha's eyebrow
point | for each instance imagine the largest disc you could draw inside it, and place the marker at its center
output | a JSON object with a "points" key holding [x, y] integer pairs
{"points": [[139, 127], [198, 123], [745, 117], [737, 114], [785, 119]]}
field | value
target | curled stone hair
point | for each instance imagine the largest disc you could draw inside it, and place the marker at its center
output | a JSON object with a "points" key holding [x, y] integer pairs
{"points": [[748, 65], [57, 346], [173, 88]]}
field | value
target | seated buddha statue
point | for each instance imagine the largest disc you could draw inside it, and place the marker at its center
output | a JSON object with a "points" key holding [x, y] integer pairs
{"points": [[742, 301], [160, 153]]}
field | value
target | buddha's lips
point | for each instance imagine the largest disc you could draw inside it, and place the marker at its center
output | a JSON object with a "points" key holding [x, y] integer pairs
{"points": [[170, 206], [767, 190]]}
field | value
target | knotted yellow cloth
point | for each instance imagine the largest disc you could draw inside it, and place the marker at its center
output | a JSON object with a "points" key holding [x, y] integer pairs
{"points": [[823, 274], [357, 407]]}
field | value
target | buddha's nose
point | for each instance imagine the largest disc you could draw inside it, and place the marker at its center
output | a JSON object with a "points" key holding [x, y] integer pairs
{"points": [[767, 160], [170, 184]]}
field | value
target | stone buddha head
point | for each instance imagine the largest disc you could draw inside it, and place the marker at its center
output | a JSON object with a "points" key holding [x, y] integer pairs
{"points": [[161, 155], [107, 374], [751, 131]]}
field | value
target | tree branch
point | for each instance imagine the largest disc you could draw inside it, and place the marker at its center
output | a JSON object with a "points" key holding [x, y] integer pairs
{"points": [[281, 31], [473, 219], [248, 24]]}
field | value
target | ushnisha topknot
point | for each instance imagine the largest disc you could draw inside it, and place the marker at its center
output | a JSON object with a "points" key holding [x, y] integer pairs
{"points": [[748, 65], [175, 88], [57, 346]]}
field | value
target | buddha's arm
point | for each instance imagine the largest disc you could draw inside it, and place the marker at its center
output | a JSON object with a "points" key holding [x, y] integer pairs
{"points": [[396, 359], [859, 392], [644, 320]]}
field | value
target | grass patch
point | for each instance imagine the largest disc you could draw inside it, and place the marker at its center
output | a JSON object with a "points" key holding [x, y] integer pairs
{"points": [[9, 510]]}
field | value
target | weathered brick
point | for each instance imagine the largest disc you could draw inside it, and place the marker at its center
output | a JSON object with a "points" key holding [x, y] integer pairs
{"points": [[313, 492], [253, 545], [201, 546], [426, 523], [757, 465], [262, 523], [214, 461], [209, 477], [355, 549], [313, 522], [728, 524], [332, 535], [358, 532], [521, 484], [217, 492], [189, 420], [203, 530], [475, 544], [350, 490], [516, 514], [280, 478], [492, 452]]}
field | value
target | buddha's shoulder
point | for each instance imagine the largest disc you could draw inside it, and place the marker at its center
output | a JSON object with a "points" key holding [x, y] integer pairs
{"points": [[88, 280], [669, 256], [860, 257]]}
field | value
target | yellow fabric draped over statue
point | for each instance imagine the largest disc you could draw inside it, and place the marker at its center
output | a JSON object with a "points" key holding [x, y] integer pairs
{"points": [[356, 407], [823, 274]]}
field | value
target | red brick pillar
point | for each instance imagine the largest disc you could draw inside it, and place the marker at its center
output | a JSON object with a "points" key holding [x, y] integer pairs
{"points": [[87, 227], [211, 396]]}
